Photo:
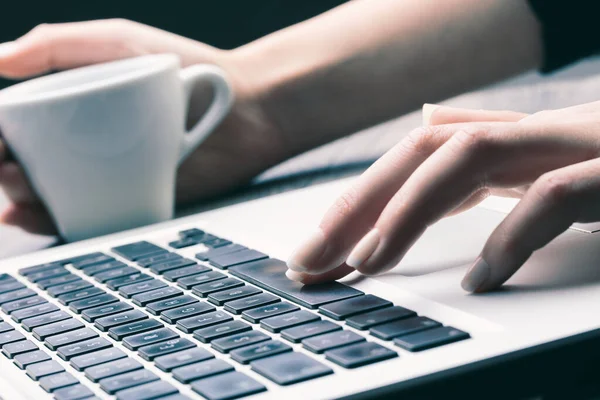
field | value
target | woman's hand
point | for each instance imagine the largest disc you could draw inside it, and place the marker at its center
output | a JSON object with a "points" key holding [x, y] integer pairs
{"points": [[549, 159], [245, 144]]}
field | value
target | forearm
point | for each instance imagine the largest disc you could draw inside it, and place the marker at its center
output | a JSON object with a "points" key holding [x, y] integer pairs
{"points": [[369, 61]]}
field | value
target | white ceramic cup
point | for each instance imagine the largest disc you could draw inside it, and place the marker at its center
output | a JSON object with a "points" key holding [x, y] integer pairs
{"points": [[101, 144]]}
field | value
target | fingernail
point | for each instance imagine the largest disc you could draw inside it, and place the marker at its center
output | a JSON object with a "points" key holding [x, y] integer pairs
{"points": [[476, 275], [363, 249], [7, 49], [293, 275], [428, 109], [309, 251]]}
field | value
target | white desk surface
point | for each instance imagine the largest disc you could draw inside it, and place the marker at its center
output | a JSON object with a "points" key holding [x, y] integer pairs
{"points": [[528, 93]]}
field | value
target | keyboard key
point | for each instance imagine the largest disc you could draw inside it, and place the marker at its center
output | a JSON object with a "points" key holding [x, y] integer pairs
{"points": [[16, 295], [45, 284], [14, 349], [431, 338], [147, 391], [23, 303], [163, 267], [403, 327], [156, 295], [82, 362], [175, 274], [227, 386], [44, 319], [206, 335], [144, 339], [10, 337], [261, 350], [372, 318], [280, 322], [91, 314], [239, 257], [128, 380], [38, 268], [356, 305], [232, 248], [191, 232], [141, 287], [185, 242], [226, 344], [105, 276], [223, 297], [299, 333], [269, 274], [91, 261], [23, 360], [359, 354], [5, 327], [104, 267], [169, 362], [11, 286], [188, 325], [34, 311], [57, 381], [87, 346], [157, 307], [45, 368], [258, 300], [289, 368], [205, 289], [42, 332], [138, 250], [68, 298], [54, 342], [332, 340], [115, 284], [191, 281], [150, 352], [201, 370], [148, 261], [119, 332], [105, 323], [216, 242], [55, 291], [92, 302], [112, 368], [75, 392], [48, 274], [257, 314], [187, 311]]}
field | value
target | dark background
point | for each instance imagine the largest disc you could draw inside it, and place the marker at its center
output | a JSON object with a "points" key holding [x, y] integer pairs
{"points": [[222, 23]]}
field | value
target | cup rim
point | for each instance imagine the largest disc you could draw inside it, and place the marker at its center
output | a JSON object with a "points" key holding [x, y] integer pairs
{"points": [[142, 67]]}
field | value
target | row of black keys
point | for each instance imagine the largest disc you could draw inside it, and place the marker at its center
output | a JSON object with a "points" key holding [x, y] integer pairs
{"points": [[102, 363], [368, 303], [383, 320]]}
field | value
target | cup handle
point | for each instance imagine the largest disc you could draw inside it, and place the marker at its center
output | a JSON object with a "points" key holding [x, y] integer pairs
{"points": [[221, 104]]}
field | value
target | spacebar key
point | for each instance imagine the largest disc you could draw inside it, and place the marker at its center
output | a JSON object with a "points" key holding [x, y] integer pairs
{"points": [[269, 274]]}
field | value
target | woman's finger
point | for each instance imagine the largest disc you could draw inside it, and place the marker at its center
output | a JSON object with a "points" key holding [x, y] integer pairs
{"points": [[497, 155], [15, 184], [439, 115], [356, 210], [52, 47], [552, 204], [30, 217]]}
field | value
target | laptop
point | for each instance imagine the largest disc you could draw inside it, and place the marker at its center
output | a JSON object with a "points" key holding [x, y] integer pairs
{"points": [[199, 307]]}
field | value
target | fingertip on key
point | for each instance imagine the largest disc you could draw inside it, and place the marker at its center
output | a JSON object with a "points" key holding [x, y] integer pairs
{"points": [[308, 252]]}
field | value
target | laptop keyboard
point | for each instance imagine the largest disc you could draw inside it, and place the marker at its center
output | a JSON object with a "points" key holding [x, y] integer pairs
{"points": [[235, 301]]}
